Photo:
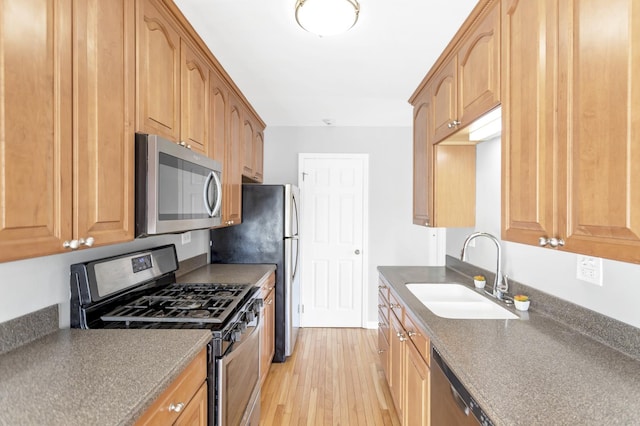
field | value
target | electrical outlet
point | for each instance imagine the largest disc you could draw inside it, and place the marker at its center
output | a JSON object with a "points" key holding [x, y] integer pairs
{"points": [[186, 238], [589, 269]]}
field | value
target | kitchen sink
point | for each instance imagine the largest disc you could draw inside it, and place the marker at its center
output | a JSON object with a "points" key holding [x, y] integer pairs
{"points": [[457, 301]]}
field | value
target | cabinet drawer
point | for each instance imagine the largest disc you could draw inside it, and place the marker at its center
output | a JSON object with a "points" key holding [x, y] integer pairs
{"points": [[181, 391], [417, 336], [383, 351], [383, 323], [383, 290], [267, 285], [396, 307]]}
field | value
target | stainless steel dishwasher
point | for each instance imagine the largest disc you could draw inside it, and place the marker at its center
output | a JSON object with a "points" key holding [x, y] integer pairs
{"points": [[451, 403]]}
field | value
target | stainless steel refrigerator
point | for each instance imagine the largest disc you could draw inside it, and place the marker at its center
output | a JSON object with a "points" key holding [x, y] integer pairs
{"points": [[268, 234]]}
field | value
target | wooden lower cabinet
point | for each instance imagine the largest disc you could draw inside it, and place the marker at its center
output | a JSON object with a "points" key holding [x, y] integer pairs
{"points": [[416, 388], [195, 413], [185, 400], [404, 355], [396, 363], [267, 333]]}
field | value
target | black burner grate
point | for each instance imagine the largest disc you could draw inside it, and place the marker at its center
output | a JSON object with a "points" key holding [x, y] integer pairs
{"points": [[202, 303]]}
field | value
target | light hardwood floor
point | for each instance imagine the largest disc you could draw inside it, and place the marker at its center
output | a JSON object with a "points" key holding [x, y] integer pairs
{"points": [[332, 378]]}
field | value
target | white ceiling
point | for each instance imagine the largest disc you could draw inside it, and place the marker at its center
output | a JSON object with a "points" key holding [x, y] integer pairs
{"points": [[361, 78]]}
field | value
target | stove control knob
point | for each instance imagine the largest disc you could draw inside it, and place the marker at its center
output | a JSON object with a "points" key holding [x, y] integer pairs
{"points": [[250, 316], [242, 326], [257, 304], [236, 335]]}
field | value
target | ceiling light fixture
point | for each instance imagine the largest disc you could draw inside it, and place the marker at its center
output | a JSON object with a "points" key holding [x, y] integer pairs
{"points": [[327, 17]]}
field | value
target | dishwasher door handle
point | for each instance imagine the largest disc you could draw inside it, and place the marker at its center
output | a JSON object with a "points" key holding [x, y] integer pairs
{"points": [[456, 396]]}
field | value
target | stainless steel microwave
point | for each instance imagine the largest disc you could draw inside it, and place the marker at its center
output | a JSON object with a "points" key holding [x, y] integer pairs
{"points": [[177, 190]]}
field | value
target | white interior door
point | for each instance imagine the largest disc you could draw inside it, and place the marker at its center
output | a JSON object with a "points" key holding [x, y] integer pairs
{"points": [[333, 225]]}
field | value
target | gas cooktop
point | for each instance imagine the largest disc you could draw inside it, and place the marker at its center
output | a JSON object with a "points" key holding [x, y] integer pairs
{"points": [[201, 303]]}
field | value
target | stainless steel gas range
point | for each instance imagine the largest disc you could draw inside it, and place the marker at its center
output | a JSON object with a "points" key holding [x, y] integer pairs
{"points": [[139, 290]]}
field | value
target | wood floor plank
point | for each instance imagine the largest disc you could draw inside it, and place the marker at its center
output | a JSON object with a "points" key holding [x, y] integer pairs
{"points": [[332, 378]]}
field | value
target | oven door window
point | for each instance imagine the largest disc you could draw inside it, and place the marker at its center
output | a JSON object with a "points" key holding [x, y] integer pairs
{"points": [[188, 191]]}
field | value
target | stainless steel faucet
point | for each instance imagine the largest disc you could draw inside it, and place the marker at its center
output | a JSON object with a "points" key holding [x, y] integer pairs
{"points": [[498, 288]]}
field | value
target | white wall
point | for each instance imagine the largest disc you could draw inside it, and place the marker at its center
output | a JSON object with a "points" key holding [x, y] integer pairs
{"points": [[393, 240], [551, 271], [32, 284]]}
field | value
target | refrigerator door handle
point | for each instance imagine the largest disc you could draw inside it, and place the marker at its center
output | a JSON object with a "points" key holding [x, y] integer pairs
{"points": [[295, 263]]}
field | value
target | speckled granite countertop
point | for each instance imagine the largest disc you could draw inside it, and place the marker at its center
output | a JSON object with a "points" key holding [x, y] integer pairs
{"points": [[228, 273], [92, 377], [529, 371]]}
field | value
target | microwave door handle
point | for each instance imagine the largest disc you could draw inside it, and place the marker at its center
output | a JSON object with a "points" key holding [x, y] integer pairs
{"points": [[205, 193], [216, 208]]}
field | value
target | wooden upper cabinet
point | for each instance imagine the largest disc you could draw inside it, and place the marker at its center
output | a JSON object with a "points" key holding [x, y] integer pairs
{"points": [[444, 89], [253, 149], [35, 127], [570, 150], [467, 83], [232, 209], [218, 119], [158, 72], [529, 61], [194, 129], [599, 129], [226, 146], [258, 155], [422, 168], [104, 55], [248, 134], [443, 175], [66, 178], [479, 68]]}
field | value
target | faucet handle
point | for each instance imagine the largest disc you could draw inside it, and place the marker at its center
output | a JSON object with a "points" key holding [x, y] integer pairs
{"points": [[504, 285]]}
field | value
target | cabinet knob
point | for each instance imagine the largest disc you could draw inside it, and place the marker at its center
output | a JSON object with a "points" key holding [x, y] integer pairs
{"points": [[411, 333], [381, 351], [176, 407], [551, 242], [182, 143], [454, 123], [556, 242], [380, 324], [426, 223], [380, 305], [87, 242], [382, 286], [394, 305], [73, 244]]}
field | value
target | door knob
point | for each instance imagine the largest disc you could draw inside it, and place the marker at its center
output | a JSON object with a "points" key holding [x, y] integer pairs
{"points": [[357, 251]]}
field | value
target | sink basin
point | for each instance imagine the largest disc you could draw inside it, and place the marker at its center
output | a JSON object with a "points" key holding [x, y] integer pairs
{"points": [[457, 301]]}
